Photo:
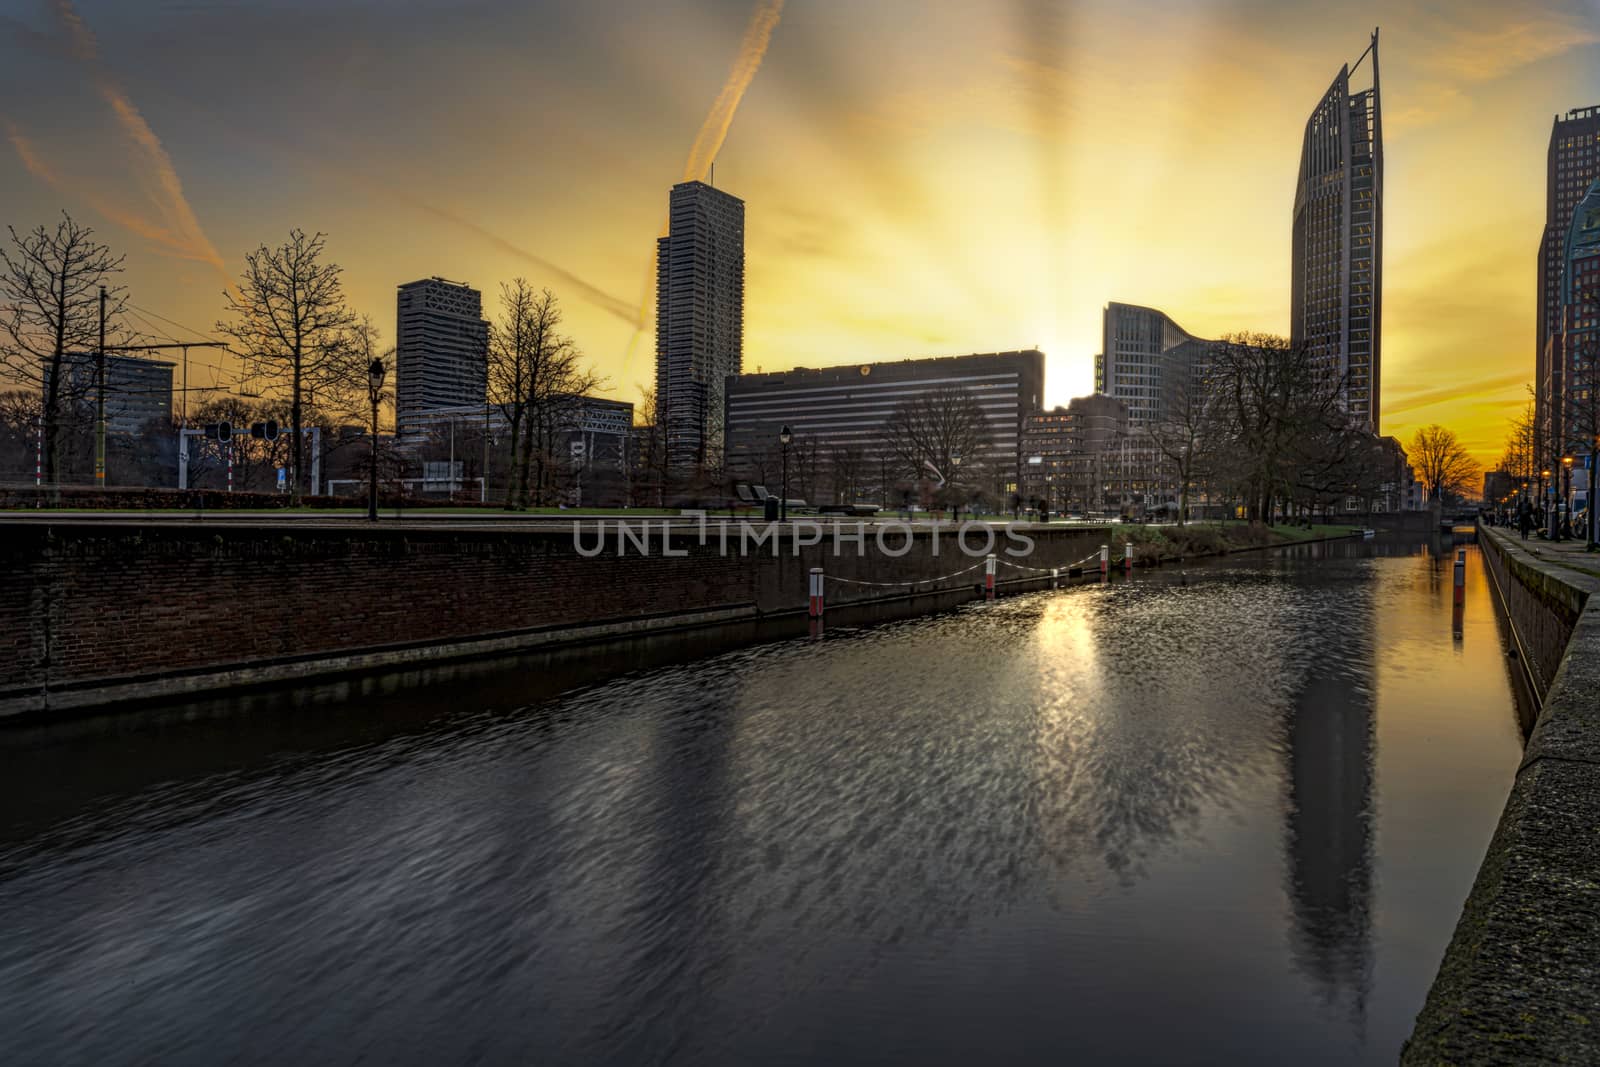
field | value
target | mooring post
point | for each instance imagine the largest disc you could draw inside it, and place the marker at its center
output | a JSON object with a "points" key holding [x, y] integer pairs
{"points": [[1127, 558], [816, 593], [1105, 560], [988, 578]]}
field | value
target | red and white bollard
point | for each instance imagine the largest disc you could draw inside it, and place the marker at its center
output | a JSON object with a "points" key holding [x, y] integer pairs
{"points": [[988, 578], [1461, 577], [229, 449], [1055, 577], [816, 593], [1105, 560], [38, 463], [1127, 558]]}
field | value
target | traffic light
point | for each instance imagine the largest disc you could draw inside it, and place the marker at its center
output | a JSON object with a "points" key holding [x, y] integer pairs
{"points": [[219, 431], [266, 431]]}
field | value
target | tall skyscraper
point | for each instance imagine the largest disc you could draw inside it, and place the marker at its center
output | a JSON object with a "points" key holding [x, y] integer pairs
{"points": [[1573, 162], [1337, 287], [699, 319], [441, 351]]}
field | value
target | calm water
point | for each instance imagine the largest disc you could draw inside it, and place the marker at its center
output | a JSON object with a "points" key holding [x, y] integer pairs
{"points": [[1229, 819]]}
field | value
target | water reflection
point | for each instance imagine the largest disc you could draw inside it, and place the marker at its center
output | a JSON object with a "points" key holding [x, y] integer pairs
{"points": [[1329, 817], [1019, 830]]}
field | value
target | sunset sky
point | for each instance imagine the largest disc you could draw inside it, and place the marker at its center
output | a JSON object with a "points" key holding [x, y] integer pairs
{"points": [[920, 178]]}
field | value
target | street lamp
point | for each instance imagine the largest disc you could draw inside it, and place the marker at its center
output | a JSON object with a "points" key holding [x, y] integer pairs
{"points": [[375, 374], [1549, 521], [955, 490], [1566, 497], [785, 436]]}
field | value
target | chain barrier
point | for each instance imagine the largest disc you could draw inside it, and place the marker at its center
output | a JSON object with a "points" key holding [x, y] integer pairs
{"points": [[902, 585]]}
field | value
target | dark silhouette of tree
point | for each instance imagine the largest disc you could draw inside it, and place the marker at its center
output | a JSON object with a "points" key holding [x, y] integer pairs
{"points": [[933, 429], [1522, 452], [648, 459], [1442, 462], [537, 379], [50, 282], [1273, 397], [1186, 431], [290, 323]]}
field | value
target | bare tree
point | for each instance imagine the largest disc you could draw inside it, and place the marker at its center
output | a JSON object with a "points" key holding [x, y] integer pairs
{"points": [[1442, 463], [290, 323], [847, 468], [50, 283], [934, 429], [537, 379], [648, 464], [1521, 456], [1184, 432], [1272, 397]]}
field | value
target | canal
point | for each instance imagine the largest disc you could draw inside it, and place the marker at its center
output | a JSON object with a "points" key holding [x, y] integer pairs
{"points": [[1227, 814]]}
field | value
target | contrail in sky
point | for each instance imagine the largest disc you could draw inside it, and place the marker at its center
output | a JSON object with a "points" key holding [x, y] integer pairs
{"points": [[714, 130], [752, 49], [183, 233]]}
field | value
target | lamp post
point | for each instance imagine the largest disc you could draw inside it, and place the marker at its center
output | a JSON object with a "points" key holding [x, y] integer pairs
{"points": [[785, 436], [375, 374], [1590, 527], [955, 469], [1566, 497], [1544, 501]]}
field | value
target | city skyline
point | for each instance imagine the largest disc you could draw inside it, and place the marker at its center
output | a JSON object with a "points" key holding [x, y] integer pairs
{"points": [[893, 213]]}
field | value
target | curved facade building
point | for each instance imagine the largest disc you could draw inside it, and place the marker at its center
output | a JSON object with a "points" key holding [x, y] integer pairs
{"points": [[1337, 288], [1143, 356], [1573, 353]]}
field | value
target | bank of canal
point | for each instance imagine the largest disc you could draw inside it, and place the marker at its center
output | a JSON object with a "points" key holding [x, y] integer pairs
{"points": [[1225, 812]]}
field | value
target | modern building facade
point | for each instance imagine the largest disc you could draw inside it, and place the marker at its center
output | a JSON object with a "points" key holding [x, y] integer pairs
{"points": [[1571, 388], [699, 320], [441, 351], [1144, 357], [1572, 163], [845, 410], [1066, 453], [1337, 256], [138, 390]]}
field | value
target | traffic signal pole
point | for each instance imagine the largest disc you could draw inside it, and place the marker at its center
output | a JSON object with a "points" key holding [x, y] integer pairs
{"points": [[100, 400]]}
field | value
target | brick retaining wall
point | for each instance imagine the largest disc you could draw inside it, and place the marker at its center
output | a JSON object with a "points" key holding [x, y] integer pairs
{"points": [[95, 612]]}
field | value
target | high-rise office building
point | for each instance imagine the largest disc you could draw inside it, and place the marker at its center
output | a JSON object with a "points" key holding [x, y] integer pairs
{"points": [[699, 319], [1573, 163], [1144, 358], [1572, 355], [441, 351], [1337, 285]]}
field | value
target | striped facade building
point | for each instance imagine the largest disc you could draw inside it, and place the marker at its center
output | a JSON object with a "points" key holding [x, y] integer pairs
{"points": [[441, 351], [847, 408]]}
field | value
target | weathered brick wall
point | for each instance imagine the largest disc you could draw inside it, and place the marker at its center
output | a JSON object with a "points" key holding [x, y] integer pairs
{"points": [[102, 603]]}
